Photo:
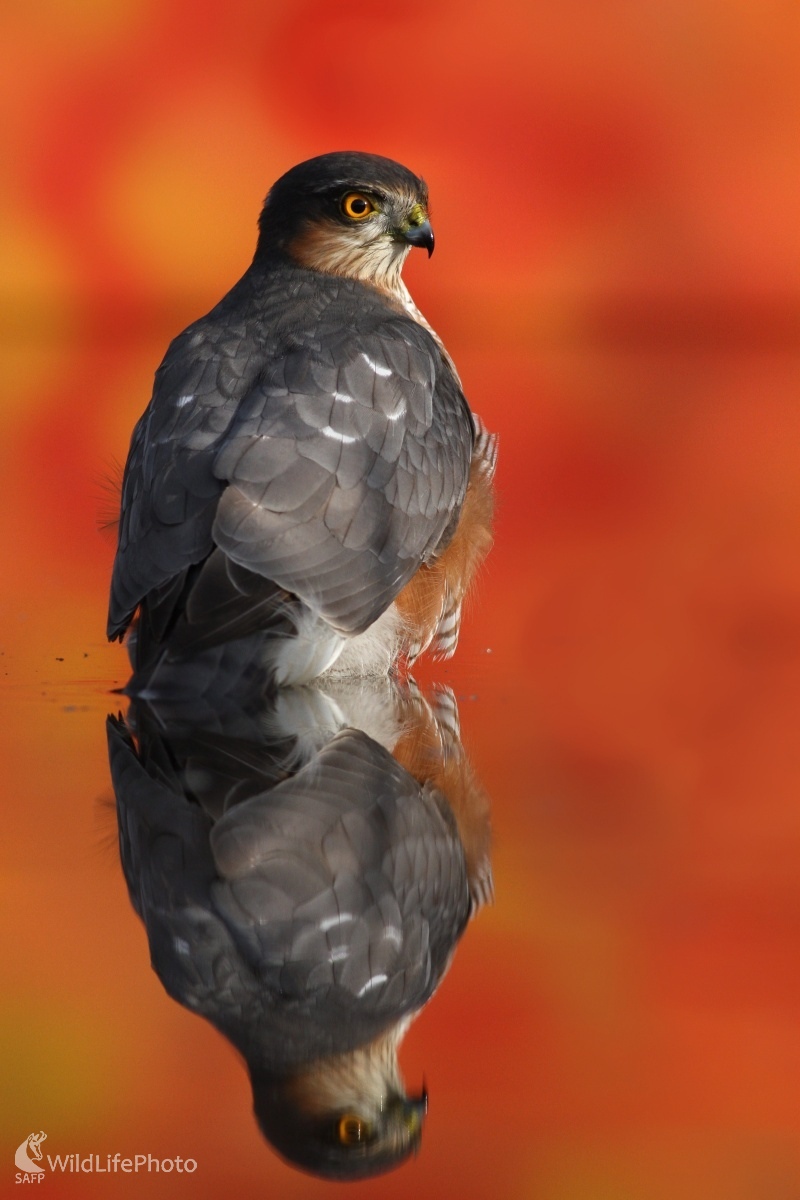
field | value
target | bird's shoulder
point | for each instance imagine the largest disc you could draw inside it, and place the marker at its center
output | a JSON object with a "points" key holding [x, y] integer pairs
{"points": [[290, 312], [337, 345]]}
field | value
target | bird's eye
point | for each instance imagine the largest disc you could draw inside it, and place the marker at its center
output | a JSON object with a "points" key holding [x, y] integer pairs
{"points": [[357, 206], [352, 1129]]}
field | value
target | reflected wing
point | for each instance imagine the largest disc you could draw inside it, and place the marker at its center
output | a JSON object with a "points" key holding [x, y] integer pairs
{"points": [[320, 913], [169, 871], [346, 883]]}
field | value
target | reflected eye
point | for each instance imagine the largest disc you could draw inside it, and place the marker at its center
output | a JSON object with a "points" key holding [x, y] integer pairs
{"points": [[352, 1129], [357, 206]]}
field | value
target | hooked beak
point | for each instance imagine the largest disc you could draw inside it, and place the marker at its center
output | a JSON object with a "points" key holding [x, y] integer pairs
{"points": [[420, 235]]}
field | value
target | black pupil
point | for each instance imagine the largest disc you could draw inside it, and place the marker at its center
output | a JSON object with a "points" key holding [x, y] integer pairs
{"points": [[358, 206]]}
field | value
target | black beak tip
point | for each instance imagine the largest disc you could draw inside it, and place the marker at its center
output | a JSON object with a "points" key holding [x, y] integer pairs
{"points": [[421, 235]]}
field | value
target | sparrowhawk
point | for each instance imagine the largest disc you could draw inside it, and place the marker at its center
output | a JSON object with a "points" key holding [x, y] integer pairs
{"points": [[308, 465], [303, 883]]}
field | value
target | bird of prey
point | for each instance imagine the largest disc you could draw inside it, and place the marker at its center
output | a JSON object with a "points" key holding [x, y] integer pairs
{"points": [[308, 466], [304, 892]]}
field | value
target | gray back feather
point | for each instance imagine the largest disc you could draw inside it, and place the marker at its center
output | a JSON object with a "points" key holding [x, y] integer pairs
{"points": [[317, 437]]}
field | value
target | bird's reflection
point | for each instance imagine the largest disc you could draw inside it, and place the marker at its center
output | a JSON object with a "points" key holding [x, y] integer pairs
{"points": [[304, 867]]}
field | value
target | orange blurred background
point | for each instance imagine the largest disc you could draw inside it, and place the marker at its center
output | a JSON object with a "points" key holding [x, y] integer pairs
{"points": [[615, 197]]}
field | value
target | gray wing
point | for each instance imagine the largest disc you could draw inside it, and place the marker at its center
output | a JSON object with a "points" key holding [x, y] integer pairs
{"points": [[332, 471], [346, 465], [169, 869], [170, 491], [345, 884], [321, 911]]}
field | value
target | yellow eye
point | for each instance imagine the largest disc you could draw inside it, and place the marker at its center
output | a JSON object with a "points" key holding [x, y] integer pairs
{"points": [[357, 206], [351, 1129]]}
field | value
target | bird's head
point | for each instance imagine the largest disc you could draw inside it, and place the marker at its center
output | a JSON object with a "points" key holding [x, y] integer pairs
{"points": [[345, 1117], [348, 214]]}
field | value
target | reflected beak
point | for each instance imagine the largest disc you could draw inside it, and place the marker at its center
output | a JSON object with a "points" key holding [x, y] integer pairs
{"points": [[420, 235], [420, 1104], [414, 1111]]}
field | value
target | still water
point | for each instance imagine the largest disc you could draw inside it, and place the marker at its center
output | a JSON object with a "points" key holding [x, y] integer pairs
{"points": [[586, 826]]}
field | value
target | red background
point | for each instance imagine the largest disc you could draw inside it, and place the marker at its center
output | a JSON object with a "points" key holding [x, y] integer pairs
{"points": [[615, 196]]}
